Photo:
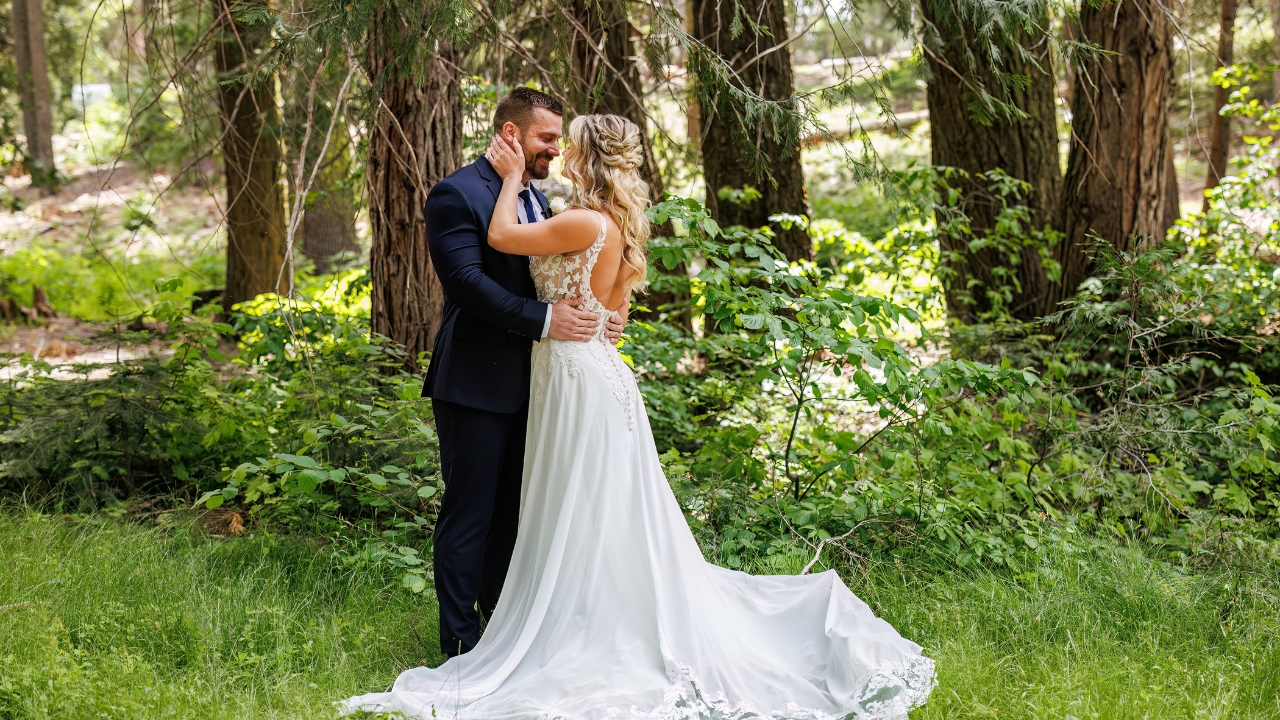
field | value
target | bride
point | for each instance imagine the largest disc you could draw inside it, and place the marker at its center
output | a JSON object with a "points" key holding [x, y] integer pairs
{"points": [[609, 609]]}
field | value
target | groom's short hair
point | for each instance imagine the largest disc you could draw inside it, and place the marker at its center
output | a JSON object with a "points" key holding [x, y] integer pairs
{"points": [[517, 107]]}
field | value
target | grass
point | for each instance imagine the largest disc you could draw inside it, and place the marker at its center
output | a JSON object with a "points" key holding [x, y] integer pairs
{"points": [[133, 622], [1104, 633]]}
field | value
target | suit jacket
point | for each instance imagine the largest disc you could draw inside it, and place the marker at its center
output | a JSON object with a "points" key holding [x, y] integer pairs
{"points": [[491, 311]]}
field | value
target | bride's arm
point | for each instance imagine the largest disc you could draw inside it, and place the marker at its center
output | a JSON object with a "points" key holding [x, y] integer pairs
{"points": [[570, 231]]}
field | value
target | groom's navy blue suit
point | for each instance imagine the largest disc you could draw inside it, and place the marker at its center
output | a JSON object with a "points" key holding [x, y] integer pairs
{"points": [[478, 381]]}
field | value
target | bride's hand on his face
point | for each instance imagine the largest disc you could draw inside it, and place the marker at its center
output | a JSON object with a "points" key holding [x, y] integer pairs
{"points": [[508, 161]]}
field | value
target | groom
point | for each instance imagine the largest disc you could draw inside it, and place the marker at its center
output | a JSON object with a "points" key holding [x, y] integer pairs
{"points": [[478, 380]]}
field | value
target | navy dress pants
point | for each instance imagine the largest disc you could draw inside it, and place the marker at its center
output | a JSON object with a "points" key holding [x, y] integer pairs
{"points": [[482, 460]]}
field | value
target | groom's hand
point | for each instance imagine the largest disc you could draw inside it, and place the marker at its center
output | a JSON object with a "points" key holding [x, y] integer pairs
{"points": [[617, 322], [570, 323]]}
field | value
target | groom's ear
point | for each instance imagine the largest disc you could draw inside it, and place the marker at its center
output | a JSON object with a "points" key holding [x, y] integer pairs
{"points": [[509, 133]]}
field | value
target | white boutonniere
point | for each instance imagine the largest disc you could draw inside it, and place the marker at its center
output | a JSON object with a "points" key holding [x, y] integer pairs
{"points": [[558, 205]]}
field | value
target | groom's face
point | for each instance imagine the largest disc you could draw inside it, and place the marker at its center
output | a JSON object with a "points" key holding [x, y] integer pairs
{"points": [[540, 142]]}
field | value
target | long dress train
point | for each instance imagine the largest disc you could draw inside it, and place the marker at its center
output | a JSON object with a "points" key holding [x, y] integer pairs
{"points": [[609, 609]]}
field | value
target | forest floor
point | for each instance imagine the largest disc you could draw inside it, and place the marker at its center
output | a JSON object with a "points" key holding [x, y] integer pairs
{"points": [[120, 618]]}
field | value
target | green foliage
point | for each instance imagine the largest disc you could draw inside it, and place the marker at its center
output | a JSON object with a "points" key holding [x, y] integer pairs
{"points": [[311, 425], [100, 283], [143, 426], [1148, 422], [953, 194], [795, 352], [1159, 419]]}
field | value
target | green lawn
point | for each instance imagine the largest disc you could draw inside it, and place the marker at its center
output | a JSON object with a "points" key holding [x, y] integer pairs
{"points": [[112, 620], [131, 622]]}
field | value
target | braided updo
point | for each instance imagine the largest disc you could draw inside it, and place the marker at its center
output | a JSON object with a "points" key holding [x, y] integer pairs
{"points": [[603, 162]]}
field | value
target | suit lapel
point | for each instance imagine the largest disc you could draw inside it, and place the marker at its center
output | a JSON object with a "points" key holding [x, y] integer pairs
{"points": [[542, 202], [491, 178], [494, 183]]}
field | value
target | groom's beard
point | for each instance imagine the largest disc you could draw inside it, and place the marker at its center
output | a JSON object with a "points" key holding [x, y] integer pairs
{"points": [[539, 166]]}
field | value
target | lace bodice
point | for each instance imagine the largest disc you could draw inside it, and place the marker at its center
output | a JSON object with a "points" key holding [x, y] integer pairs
{"points": [[562, 277]]}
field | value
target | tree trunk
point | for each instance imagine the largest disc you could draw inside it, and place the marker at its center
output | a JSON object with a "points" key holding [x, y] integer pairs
{"points": [[1172, 198], [1117, 184], [1025, 148], [1220, 129], [329, 224], [1275, 51], [416, 141], [139, 35], [693, 113], [253, 160], [35, 94], [730, 131], [606, 72]]}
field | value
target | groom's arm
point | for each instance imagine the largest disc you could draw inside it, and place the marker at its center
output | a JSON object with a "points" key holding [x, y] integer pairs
{"points": [[455, 241]]}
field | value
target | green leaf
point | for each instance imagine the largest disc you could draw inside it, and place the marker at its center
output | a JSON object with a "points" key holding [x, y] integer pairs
{"points": [[415, 583], [298, 460], [309, 479], [426, 491]]}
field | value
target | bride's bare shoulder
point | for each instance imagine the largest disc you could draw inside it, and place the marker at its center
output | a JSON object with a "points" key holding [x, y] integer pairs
{"points": [[580, 219]]}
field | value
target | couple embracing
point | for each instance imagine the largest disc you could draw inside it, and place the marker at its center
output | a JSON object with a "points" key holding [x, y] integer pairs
{"points": [[557, 525]]}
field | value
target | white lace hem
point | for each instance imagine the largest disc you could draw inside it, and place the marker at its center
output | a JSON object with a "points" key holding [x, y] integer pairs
{"points": [[894, 688]]}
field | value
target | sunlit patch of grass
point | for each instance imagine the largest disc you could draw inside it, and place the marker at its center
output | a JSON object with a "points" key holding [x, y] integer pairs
{"points": [[1107, 633], [105, 619]]}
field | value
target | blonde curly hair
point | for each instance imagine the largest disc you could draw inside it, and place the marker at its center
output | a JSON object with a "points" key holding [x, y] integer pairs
{"points": [[603, 162]]}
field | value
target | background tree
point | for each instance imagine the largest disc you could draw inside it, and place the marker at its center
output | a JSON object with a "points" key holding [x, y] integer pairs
{"points": [[253, 158], [742, 143], [1119, 168], [35, 93], [318, 101], [329, 225], [415, 140], [1220, 128], [991, 106], [605, 71]]}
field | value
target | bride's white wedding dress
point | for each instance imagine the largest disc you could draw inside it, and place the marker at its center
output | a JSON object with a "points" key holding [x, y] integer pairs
{"points": [[609, 609]]}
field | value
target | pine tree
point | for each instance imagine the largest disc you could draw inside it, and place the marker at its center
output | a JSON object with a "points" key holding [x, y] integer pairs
{"points": [[741, 144], [1220, 127], [415, 141], [983, 122], [1119, 178], [605, 71]]}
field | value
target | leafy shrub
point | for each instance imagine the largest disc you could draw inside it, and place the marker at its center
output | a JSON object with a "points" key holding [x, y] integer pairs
{"points": [[1134, 414], [789, 351]]}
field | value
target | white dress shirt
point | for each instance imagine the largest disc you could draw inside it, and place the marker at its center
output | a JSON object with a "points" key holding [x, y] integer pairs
{"points": [[522, 216]]}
